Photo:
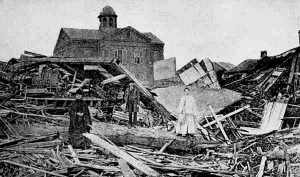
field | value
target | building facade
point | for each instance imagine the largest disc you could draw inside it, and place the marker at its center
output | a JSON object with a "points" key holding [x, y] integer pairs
{"points": [[135, 50]]}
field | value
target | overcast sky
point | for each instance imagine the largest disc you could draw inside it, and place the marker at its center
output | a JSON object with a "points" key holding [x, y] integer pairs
{"points": [[230, 31]]}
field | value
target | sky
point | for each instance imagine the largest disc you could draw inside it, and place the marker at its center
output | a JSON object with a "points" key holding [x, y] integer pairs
{"points": [[229, 31]]}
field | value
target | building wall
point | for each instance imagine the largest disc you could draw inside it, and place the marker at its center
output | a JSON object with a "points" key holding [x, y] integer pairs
{"points": [[62, 45], [138, 58]]}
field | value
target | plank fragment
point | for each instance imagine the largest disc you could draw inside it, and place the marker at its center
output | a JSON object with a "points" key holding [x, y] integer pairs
{"points": [[122, 154]]}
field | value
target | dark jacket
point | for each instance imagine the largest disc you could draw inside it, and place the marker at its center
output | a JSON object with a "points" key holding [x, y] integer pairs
{"points": [[78, 123], [132, 97]]}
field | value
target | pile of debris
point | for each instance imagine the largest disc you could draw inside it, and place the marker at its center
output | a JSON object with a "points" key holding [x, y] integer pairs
{"points": [[232, 130], [51, 155]]}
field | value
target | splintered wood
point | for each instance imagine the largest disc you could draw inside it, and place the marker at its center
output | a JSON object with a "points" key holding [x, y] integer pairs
{"points": [[36, 93]]}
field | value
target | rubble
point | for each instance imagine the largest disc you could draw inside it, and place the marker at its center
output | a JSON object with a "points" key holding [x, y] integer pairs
{"points": [[248, 124]]}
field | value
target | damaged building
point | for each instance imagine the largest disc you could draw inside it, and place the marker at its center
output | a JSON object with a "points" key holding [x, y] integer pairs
{"points": [[248, 121], [137, 51]]}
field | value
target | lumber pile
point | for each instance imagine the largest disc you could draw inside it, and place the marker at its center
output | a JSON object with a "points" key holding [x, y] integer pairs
{"points": [[50, 155], [256, 135]]}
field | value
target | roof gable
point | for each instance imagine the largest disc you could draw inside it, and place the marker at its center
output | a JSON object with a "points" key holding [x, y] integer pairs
{"points": [[62, 40], [84, 34], [117, 34], [154, 39], [128, 34]]}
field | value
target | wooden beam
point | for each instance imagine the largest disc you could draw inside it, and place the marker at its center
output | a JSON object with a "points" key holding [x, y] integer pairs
{"points": [[165, 146], [121, 154], [33, 168], [127, 172], [227, 115], [218, 121], [74, 79], [99, 167], [34, 54], [114, 79], [73, 154], [261, 167], [292, 71]]}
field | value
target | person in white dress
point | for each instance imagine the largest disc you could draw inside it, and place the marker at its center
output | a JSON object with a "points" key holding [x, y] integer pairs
{"points": [[188, 111]]}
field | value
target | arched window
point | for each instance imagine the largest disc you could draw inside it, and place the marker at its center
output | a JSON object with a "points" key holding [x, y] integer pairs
{"points": [[104, 21], [120, 53], [137, 60], [111, 22], [128, 34]]}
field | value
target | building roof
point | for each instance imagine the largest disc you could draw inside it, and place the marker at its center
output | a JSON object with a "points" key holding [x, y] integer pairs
{"points": [[251, 64], [246, 65], [170, 97], [75, 33], [154, 39], [95, 34], [226, 65], [107, 10]]}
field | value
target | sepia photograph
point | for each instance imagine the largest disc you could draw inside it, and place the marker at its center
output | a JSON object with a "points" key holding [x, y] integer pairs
{"points": [[149, 88]]}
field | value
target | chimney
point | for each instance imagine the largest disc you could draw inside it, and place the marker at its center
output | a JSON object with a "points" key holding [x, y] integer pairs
{"points": [[263, 54]]}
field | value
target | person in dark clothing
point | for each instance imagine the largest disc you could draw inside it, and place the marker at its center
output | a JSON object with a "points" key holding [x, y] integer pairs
{"points": [[132, 99], [80, 122]]}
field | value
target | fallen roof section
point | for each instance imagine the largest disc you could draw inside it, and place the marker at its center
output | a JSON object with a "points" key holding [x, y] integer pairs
{"points": [[170, 97]]}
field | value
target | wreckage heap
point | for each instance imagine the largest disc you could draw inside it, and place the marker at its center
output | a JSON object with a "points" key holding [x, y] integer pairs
{"points": [[36, 92]]}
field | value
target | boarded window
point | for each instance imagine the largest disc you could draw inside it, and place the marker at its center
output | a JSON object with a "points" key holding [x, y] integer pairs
{"points": [[128, 34], [105, 53], [111, 22], [119, 56], [124, 57], [104, 22], [146, 53], [137, 58], [129, 55]]}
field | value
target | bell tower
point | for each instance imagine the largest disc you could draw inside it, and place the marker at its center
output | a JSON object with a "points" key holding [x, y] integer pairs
{"points": [[107, 18]]}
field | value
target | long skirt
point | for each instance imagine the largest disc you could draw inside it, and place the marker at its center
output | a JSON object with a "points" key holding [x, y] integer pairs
{"points": [[77, 140], [186, 124]]}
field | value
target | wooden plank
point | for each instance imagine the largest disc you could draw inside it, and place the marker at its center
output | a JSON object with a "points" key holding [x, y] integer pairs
{"points": [[227, 115], [73, 154], [218, 121], [34, 54], [261, 167], [114, 79], [121, 154], [127, 172], [33, 168], [65, 99], [99, 167], [74, 79], [9, 127], [292, 71], [83, 83], [165, 146]]}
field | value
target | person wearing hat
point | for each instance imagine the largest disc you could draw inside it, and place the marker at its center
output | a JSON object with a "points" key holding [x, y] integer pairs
{"points": [[80, 122], [132, 100]]}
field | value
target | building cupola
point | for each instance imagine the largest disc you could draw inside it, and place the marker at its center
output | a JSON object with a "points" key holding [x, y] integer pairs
{"points": [[107, 18]]}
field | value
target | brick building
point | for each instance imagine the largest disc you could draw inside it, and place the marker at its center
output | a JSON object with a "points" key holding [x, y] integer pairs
{"points": [[135, 50]]}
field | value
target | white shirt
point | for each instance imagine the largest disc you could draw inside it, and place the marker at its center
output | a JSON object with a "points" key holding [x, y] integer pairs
{"points": [[188, 105]]}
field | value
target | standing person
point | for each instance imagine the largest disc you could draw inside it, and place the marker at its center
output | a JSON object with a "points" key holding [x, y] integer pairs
{"points": [[187, 109], [80, 122], [132, 99]]}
